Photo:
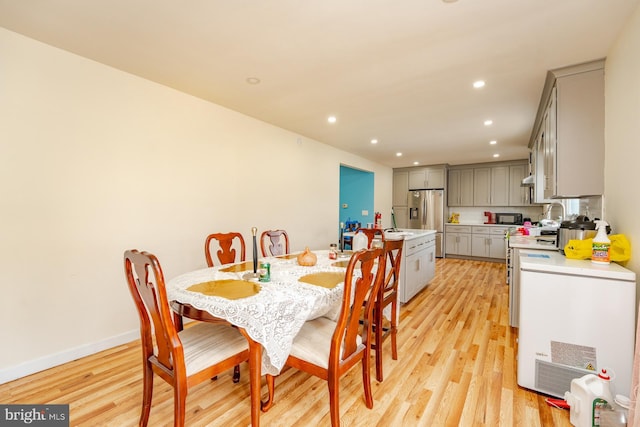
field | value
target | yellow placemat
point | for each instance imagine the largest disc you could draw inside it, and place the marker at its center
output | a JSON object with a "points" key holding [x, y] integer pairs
{"points": [[237, 268], [326, 279], [342, 264], [227, 288], [288, 256]]}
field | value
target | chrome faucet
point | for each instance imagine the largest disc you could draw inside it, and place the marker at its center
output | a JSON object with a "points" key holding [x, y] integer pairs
{"points": [[555, 202]]}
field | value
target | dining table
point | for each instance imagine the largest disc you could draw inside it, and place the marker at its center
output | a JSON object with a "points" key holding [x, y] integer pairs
{"points": [[268, 313]]}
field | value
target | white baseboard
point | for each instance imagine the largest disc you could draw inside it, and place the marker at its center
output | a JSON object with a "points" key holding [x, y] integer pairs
{"points": [[27, 368]]}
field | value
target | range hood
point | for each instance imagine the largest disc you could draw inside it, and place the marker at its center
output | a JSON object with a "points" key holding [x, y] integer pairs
{"points": [[528, 181]]}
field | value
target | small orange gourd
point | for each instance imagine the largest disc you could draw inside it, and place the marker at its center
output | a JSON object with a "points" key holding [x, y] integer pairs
{"points": [[307, 258]]}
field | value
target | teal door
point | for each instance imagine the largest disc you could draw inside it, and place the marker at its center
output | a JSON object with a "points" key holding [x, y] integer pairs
{"points": [[356, 195]]}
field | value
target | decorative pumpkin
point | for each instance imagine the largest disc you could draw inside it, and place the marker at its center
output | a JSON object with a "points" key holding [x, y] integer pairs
{"points": [[307, 258]]}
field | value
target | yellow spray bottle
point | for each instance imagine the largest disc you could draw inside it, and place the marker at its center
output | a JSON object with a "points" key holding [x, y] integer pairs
{"points": [[601, 247]]}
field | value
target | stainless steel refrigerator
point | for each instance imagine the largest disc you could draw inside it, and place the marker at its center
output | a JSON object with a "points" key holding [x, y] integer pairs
{"points": [[426, 211]]}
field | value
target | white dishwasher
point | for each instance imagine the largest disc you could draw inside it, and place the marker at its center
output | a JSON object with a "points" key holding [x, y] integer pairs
{"points": [[576, 317], [418, 265]]}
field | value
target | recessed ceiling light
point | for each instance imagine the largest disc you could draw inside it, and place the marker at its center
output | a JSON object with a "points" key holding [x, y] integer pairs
{"points": [[449, 1], [332, 119], [488, 122], [496, 155], [494, 142], [478, 84], [398, 154], [374, 141], [416, 163], [253, 80]]}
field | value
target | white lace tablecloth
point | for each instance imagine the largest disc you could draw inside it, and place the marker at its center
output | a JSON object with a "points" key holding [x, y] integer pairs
{"points": [[274, 316]]}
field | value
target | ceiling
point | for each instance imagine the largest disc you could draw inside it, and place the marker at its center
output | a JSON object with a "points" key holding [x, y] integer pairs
{"points": [[400, 72]]}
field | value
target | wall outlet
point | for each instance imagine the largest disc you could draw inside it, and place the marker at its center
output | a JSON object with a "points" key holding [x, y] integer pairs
{"points": [[345, 206], [365, 213]]}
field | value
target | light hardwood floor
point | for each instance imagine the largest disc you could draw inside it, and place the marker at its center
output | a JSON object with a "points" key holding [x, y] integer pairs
{"points": [[456, 367]]}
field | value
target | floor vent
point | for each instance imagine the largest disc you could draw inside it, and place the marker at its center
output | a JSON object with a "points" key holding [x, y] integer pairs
{"points": [[556, 379]]}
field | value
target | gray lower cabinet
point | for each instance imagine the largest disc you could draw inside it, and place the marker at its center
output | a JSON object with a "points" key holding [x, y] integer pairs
{"points": [[488, 242], [482, 241], [458, 240]]}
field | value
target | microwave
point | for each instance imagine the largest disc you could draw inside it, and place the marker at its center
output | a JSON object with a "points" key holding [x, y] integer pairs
{"points": [[509, 218]]}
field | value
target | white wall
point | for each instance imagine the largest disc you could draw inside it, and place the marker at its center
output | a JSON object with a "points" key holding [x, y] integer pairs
{"points": [[94, 161], [622, 156], [622, 136]]}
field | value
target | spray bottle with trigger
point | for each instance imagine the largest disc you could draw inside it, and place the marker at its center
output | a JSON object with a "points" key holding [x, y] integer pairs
{"points": [[601, 246]]}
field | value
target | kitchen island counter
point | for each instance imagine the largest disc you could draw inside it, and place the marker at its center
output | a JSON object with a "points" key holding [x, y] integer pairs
{"points": [[418, 265], [407, 234]]}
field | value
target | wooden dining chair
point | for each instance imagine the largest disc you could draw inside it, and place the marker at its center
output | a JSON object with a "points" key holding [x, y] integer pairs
{"points": [[371, 234], [181, 358], [230, 245], [328, 349], [274, 243], [387, 295]]}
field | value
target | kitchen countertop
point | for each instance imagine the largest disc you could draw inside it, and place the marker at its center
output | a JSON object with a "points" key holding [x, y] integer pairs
{"points": [[400, 234], [555, 262], [407, 234], [531, 242], [482, 223]]}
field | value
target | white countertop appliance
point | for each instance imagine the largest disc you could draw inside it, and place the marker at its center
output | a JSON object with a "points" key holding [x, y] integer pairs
{"points": [[579, 228], [576, 318]]}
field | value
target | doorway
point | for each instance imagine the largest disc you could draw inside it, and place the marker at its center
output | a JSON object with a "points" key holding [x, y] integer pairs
{"points": [[356, 195]]}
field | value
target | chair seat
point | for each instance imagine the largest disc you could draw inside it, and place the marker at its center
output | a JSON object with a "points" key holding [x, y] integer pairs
{"points": [[313, 342], [329, 349], [206, 344]]}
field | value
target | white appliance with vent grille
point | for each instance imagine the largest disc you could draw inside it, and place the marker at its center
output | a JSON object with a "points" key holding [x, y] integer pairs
{"points": [[576, 317]]}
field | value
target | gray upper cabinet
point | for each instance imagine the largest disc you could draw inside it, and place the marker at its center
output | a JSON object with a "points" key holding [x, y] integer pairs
{"points": [[400, 188], [460, 187], [518, 195], [488, 184], [491, 186], [422, 178], [482, 187], [500, 186], [568, 136], [549, 143], [480, 184], [537, 169]]}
